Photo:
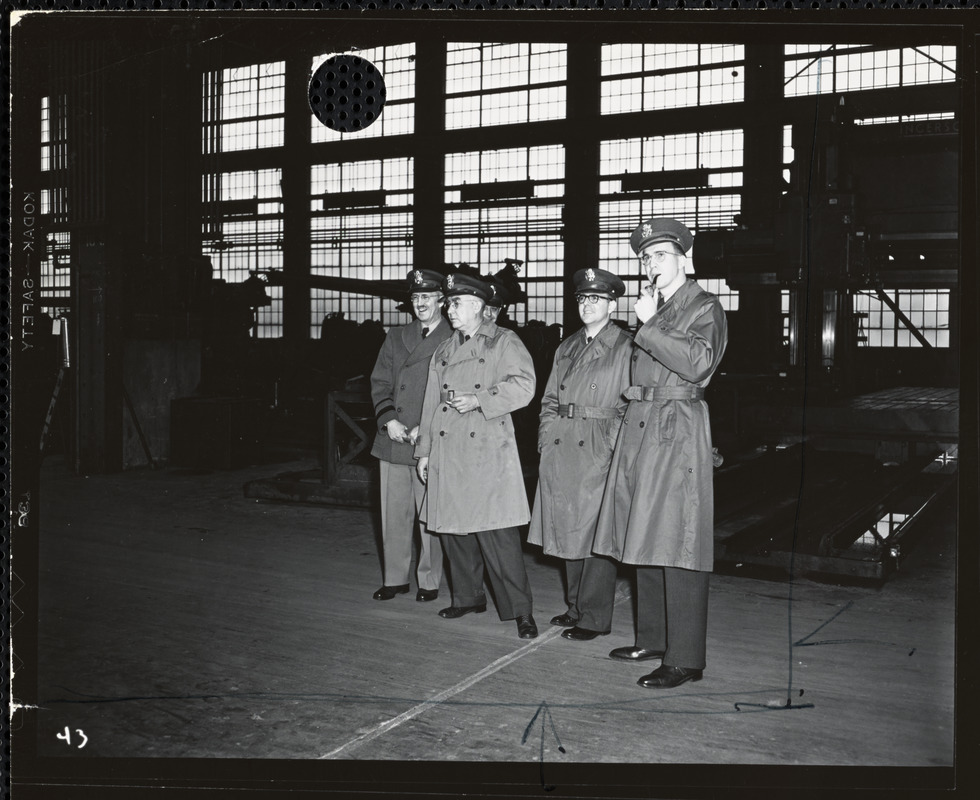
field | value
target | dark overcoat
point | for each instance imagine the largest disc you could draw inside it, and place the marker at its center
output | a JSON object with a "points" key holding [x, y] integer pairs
{"points": [[475, 482], [576, 450], [398, 384], [658, 508]]}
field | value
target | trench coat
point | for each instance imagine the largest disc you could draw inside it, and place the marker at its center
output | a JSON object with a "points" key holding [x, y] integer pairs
{"points": [[398, 385], [475, 481], [576, 450], [658, 507]]}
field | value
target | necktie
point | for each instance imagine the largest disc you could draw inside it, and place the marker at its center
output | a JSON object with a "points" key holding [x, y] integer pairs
{"points": [[425, 332], [588, 339], [660, 300]]}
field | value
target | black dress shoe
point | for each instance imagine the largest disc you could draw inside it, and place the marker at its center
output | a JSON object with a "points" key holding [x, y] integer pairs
{"points": [[581, 634], [424, 595], [664, 677], [565, 620], [387, 592], [526, 628], [455, 612], [635, 653]]}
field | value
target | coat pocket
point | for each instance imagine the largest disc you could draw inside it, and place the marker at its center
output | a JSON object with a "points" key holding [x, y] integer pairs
{"points": [[667, 421]]}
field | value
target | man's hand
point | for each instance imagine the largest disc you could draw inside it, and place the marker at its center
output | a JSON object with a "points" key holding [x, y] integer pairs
{"points": [[645, 307], [397, 432], [464, 403], [423, 469]]}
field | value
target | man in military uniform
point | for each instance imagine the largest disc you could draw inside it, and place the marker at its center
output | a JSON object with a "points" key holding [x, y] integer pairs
{"points": [[397, 387], [467, 456], [658, 508], [581, 411]]}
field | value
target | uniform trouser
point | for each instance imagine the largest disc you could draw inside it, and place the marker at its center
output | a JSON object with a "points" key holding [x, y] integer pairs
{"points": [[401, 494], [591, 592], [500, 552], [672, 614]]}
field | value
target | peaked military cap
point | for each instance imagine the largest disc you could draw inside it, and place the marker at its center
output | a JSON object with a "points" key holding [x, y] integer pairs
{"points": [[598, 281], [499, 295], [660, 229], [424, 280], [457, 283]]}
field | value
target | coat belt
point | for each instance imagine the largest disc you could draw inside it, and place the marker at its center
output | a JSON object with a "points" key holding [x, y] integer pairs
{"points": [[575, 411], [649, 394]]}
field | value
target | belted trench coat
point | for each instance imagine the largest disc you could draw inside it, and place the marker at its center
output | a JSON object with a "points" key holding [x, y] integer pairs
{"points": [[658, 507], [398, 385], [475, 481], [581, 412]]}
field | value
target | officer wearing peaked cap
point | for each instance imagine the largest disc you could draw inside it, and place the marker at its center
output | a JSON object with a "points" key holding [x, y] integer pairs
{"points": [[581, 411], [467, 456], [397, 388], [658, 507]]}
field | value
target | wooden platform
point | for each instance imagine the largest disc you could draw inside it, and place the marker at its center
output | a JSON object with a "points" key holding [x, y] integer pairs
{"points": [[179, 619]]}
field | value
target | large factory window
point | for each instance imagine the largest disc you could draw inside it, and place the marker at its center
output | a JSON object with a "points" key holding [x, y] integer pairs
{"points": [[507, 204], [361, 227], [243, 232], [55, 278], [396, 63], [649, 77], [503, 84], [926, 309], [695, 177], [244, 107], [827, 69]]}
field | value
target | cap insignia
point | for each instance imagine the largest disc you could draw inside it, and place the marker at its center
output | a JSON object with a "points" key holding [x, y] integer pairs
{"points": [[647, 229], [590, 275], [418, 276], [449, 281], [493, 290]]}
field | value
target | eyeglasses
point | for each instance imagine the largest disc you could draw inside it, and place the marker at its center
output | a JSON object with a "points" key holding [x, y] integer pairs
{"points": [[422, 298], [591, 299], [456, 302], [656, 255]]}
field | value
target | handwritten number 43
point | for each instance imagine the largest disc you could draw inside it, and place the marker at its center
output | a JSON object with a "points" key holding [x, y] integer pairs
{"points": [[66, 737]]}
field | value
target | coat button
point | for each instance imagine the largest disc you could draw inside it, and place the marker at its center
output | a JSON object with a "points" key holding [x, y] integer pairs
{"points": [[477, 386], [472, 434], [557, 441], [444, 363], [403, 386], [635, 356], [562, 387], [445, 409], [399, 409], [483, 361], [581, 444], [690, 470], [442, 433], [445, 386], [593, 386], [642, 424]]}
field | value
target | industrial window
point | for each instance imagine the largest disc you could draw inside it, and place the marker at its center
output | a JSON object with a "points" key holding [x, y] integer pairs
{"points": [[507, 204], [361, 227], [504, 84], [55, 277], [651, 77], [396, 63], [243, 233], [726, 294], [913, 119], [693, 177], [831, 69], [879, 326], [244, 108]]}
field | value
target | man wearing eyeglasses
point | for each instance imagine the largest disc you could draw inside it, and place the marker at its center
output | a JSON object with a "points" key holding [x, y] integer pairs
{"points": [[467, 456], [397, 388], [658, 508], [581, 411]]}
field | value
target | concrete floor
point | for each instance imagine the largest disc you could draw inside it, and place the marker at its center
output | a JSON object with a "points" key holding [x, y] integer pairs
{"points": [[180, 620]]}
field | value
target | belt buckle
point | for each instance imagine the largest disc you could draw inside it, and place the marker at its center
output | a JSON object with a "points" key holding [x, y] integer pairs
{"points": [[571, 410]]}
